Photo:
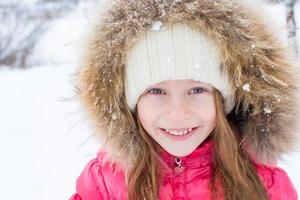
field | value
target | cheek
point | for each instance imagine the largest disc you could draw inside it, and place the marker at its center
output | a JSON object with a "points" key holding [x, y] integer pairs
{"points": [[151, 104], [147, 113], [205, 107]]}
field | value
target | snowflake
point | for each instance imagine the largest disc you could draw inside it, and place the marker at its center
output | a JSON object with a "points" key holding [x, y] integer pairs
{"points": [[156, 26], [267, 110], [190, 6], [114, 116], [246, 87], [277, 98]]}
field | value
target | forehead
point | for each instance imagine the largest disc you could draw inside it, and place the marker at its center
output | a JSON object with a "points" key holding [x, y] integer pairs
{"points": [[188, 82]]}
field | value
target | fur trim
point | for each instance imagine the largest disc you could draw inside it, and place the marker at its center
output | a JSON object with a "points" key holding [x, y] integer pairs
{"points": [[262, 75]]}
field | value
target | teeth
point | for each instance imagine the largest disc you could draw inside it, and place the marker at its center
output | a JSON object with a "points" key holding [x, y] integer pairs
{"points": [[179, 132]]}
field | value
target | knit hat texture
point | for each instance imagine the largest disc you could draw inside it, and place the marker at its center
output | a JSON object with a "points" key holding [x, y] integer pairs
{"points": [[178, 52]]}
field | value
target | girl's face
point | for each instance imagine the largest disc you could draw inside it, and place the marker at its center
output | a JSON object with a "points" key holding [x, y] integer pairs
{"points": [[178, 114]]}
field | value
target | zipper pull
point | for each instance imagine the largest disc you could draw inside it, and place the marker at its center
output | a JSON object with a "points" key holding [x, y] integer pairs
{"points": [[178, 165]]}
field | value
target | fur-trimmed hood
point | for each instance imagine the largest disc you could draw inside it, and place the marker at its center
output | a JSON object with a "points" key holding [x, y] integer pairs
{"points": [[262, 74]]}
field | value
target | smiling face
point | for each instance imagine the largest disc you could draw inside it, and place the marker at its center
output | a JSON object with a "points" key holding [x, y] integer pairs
{"points": [[178, 114]]}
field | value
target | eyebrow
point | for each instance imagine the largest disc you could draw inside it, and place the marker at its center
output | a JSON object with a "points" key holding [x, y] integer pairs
{"points": [[192, 85]]}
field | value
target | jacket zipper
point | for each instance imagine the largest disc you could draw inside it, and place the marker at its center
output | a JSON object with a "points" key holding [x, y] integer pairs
{"points": [[178, 165]]}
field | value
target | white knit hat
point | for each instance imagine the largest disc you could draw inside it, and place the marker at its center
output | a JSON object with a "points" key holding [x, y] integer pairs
{"points": [[175, 53]]}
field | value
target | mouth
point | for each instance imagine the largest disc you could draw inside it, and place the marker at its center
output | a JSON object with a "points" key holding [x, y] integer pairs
{"points": [[179, 134]]}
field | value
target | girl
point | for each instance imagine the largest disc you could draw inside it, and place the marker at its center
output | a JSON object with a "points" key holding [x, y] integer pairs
{"points": [[194, 99]]}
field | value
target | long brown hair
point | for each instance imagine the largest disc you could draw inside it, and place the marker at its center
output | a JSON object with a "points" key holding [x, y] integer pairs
{"points": [[232, 165]]}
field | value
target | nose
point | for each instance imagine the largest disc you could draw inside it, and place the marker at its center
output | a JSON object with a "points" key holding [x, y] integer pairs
{"points": [[178, 110]]}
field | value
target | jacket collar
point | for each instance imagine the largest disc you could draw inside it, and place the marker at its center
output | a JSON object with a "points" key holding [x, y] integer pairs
{"points": [[201, 157]]}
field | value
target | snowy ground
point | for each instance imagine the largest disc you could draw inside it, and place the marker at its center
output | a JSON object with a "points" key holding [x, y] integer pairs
{"points": [[44, 139]]}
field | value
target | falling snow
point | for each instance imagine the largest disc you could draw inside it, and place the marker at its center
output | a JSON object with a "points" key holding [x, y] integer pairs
{"points": [[267, 110], [277, 98], [246, 87], [114, 116], [156, 26], [65, 137]]}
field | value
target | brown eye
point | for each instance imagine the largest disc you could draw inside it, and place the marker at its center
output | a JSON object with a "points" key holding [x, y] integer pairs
{"points": [[197, 90], [156, 91]]}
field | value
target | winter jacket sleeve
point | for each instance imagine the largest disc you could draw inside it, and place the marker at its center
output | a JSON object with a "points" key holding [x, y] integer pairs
{"points": [[277, 183], [90, 184]]}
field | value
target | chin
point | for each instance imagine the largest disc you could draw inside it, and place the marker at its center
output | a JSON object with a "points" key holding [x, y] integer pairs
{"points": [[181, 153]]}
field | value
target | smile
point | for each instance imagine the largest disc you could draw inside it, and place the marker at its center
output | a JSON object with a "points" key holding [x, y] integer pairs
{"points": [[179, 133]]}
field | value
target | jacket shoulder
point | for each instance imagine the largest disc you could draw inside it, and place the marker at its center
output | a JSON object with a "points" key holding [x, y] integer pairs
{"points": [[277, 183], [98, 180], [90, 184]]}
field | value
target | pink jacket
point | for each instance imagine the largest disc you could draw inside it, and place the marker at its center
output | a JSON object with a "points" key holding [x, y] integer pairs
{"points": [[103, 182]]}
